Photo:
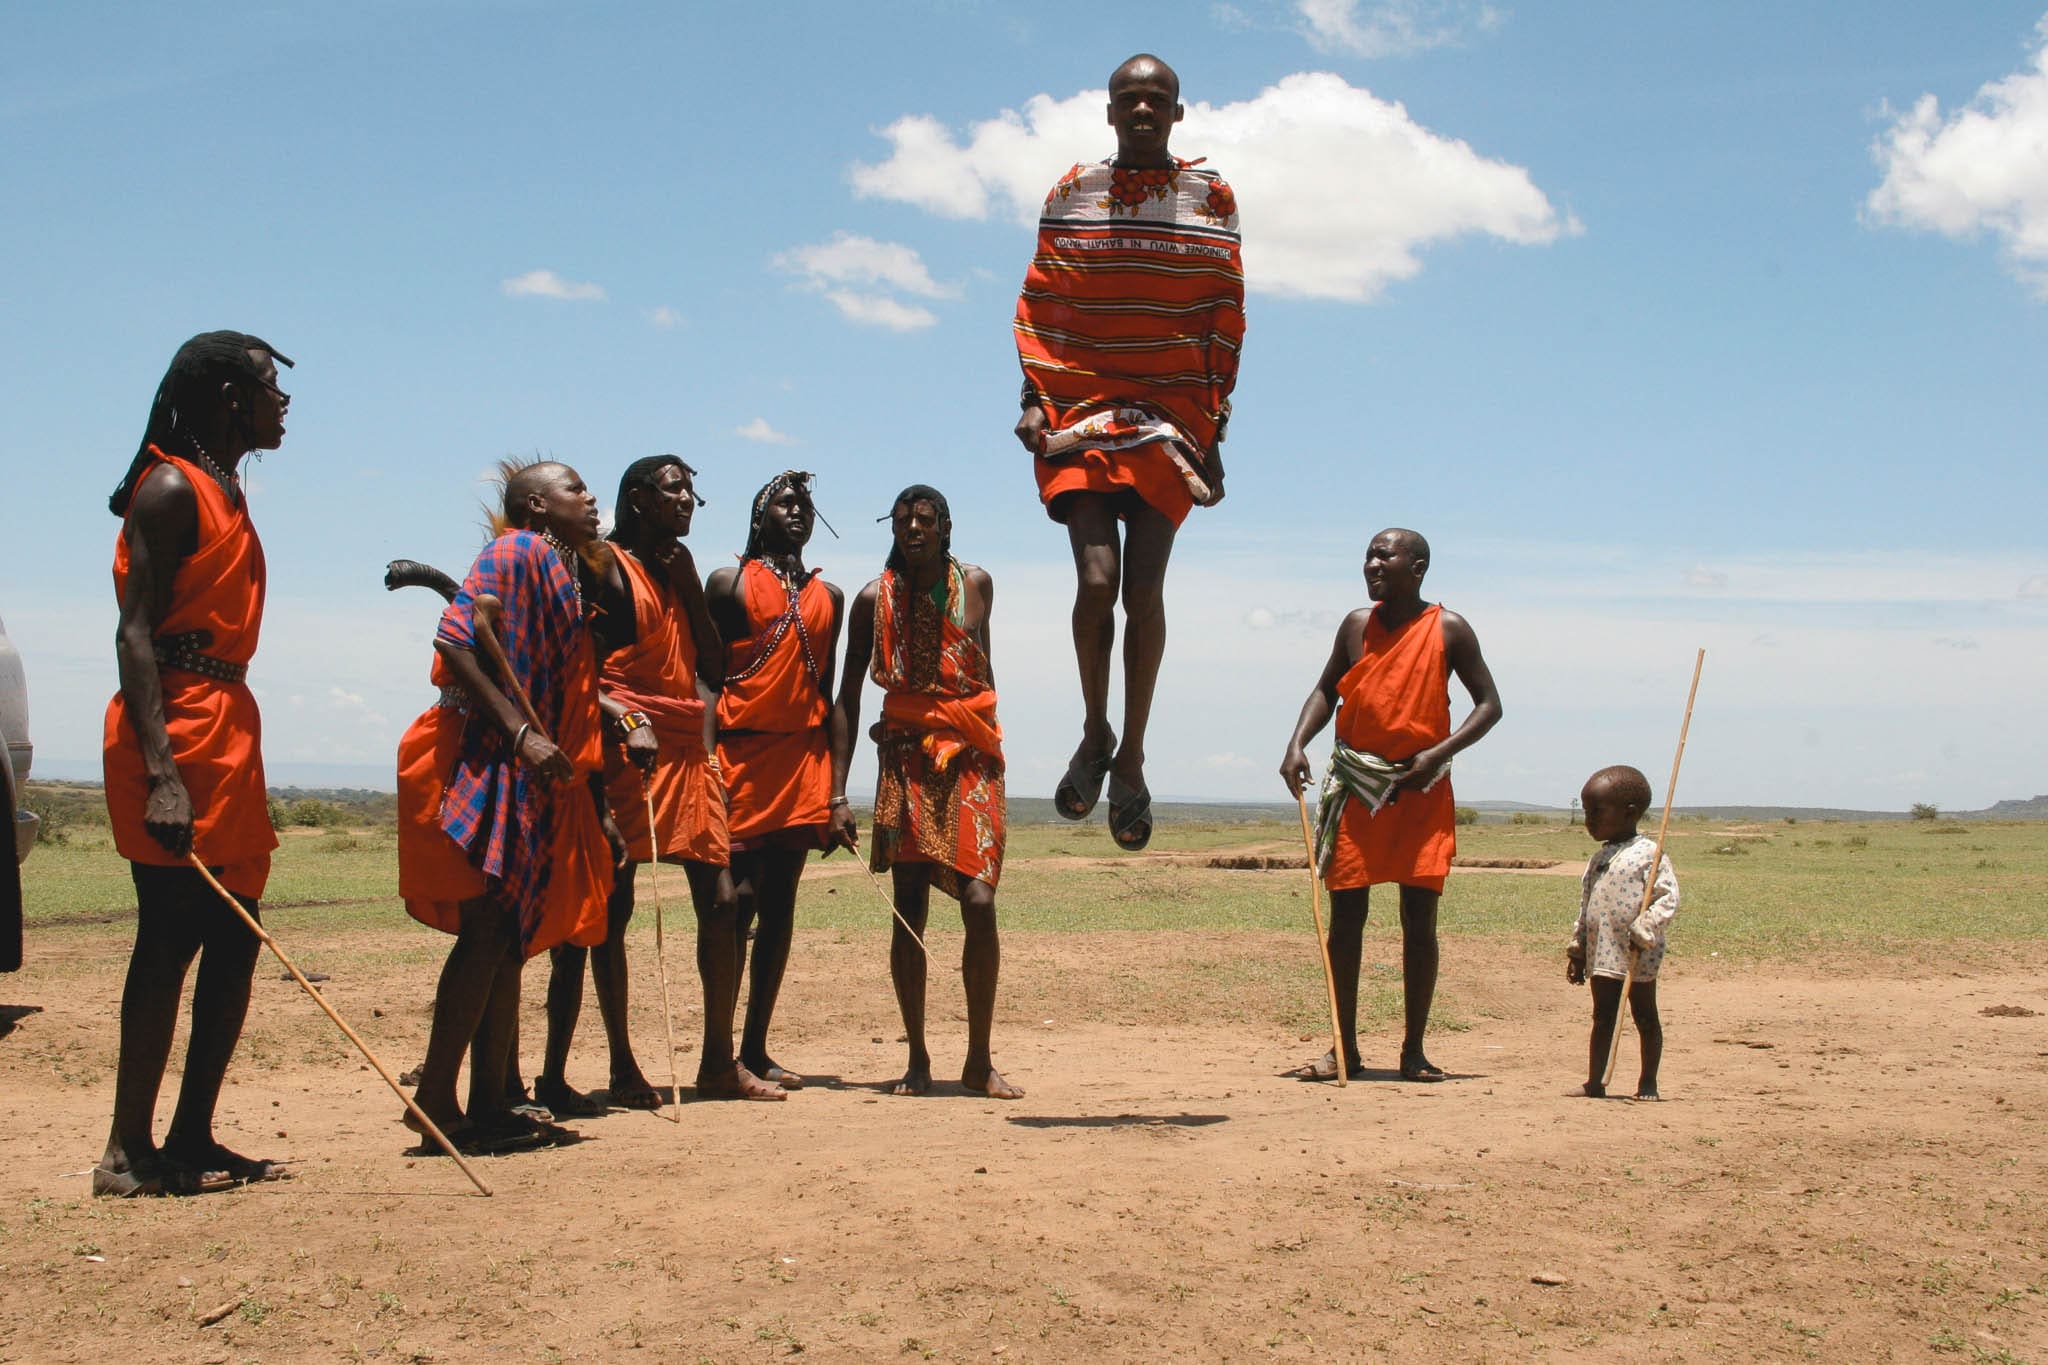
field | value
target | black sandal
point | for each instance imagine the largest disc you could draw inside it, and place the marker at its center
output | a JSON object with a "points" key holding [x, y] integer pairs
{"points": [[1075, 797], [1130, 815]]}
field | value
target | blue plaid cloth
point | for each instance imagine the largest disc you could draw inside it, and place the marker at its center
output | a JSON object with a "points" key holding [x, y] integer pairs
{"points": [[492, 808]]}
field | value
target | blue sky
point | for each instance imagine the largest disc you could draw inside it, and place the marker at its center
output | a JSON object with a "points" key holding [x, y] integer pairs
{"points": [[1671, 327]]}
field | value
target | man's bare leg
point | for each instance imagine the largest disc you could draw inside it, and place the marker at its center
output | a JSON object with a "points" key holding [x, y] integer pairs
{"points": [[485, 935], [1347, 950], [220, 1005], [1148, 545], [1606, 1012], [719, 1074], [1642, 1004], [907, 972], [626, 1085], [1094, 534], [164, 948], [980, 965], [551, 1087], [772, 876], [1418, 979], [497, 1034]]}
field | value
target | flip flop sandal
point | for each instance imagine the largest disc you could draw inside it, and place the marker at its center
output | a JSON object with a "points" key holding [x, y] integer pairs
{"points": [[642, 1096], [1130, 815], [782, 1076], [242, 1170], [1075, 797], [1416, 1067], [1323, 1068]]}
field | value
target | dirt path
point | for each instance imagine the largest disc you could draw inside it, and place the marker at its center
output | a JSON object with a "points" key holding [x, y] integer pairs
{"points": [[1846, 1168]]}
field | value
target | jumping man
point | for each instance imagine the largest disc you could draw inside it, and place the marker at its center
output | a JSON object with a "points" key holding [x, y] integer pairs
{"points": [[1128, 329]]}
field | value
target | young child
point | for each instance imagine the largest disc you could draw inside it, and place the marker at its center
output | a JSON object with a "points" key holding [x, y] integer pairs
{"points": [[1611, 932]]}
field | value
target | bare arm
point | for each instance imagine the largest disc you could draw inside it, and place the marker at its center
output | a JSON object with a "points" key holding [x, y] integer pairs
{"points": [[536, 750], [162, 532], [860, 648], [1461, 651], [981, 590], [831, 642], [1322, 701]]}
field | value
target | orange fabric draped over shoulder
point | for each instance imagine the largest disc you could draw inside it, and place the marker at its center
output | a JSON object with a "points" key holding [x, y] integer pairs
{"points": [[1395, 702], [657, 674], [939, 792], [215, 730], [773, 740]]}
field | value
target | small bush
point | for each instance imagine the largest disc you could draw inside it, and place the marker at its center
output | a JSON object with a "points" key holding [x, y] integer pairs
{"points": [[1529, 817], [1467, 815], [1948, 827], [1926, 810], [311, 814], [1857, 841]]}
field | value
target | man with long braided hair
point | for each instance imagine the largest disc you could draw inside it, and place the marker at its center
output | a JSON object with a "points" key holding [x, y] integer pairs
{"points": [[774, 735], [940, 811], [660, 704], [184, 767]]}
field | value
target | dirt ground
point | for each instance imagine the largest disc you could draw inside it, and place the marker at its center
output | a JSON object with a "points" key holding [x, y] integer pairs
{"points": [[1848, 1165]]}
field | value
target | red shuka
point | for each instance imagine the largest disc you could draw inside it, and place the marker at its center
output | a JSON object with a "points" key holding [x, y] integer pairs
{"points": [[216, 734]]}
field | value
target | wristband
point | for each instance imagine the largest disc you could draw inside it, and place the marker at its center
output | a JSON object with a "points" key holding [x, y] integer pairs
{"points": [[519, 737], [837, 801], [630, 721]]}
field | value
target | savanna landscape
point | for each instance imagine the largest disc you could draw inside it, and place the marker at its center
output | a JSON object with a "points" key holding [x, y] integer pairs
{"points": [[1847, 1163]]}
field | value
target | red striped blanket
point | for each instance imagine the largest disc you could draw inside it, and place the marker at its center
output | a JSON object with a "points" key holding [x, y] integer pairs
{"points": [[1132, 314]]}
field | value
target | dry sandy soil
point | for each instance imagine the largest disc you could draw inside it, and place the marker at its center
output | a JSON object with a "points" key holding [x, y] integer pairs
{"points": [[1848, 1165]]}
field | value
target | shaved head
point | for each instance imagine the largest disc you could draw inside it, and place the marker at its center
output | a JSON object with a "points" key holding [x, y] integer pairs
{"points": [[522, 482], [1145, 63], [1411, 541]]}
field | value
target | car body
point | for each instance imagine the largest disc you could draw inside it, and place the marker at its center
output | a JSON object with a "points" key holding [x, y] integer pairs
{"points": [[20, 752]]}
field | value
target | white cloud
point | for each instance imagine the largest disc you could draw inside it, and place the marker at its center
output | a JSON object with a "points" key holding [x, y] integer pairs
{"points": [[2035, 585], [1700, 576], [1228, 761], [880, 270], [880, 310], [664, 317], [1983, 169], [759, 430], [1391, 28], [852, 259], [546, 284], [1309, 233]]}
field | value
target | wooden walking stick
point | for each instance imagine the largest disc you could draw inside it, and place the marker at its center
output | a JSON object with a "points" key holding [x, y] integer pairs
{"points": [[668, 1027], [485, 613], [876, 882], [428, 1125], [1656, 863], [1315, 908]]}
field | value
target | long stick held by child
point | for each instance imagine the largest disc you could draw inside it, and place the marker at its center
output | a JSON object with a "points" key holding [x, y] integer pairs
{"points": [[1657, 858]]}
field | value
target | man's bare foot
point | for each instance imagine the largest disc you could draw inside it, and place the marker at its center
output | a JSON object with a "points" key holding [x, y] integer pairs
{"points": [[1416, 1067], [990, 1082], [148, 1177], [916, 1081], [1648, 1093], [1591, 1090], [737, 1083], [631, 1090]]}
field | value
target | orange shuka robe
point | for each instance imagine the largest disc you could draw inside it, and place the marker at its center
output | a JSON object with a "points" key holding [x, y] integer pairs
{"points": [[1395, 702], [939, 794], [215, 731], [435, 872], [774, 743], [657, 674]]}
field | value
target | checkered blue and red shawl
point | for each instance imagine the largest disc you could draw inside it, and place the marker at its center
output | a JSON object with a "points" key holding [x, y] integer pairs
{"points": [[492, 807]]}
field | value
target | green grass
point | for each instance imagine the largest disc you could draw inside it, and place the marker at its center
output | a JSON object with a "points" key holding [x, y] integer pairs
{"points": [[1763, 892]]}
